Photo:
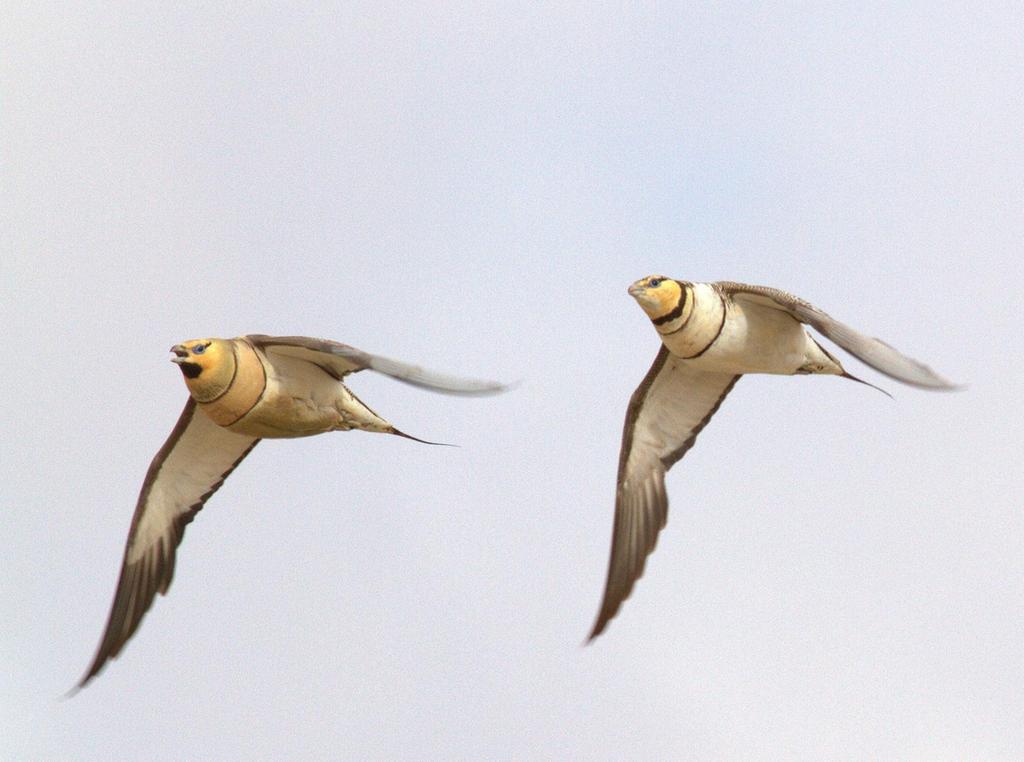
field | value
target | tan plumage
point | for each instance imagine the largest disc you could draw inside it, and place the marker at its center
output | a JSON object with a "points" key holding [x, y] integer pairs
{"points": [[241, 390], [711, 334]]}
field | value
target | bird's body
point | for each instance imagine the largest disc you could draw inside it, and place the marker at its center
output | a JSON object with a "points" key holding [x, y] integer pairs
{"points": [[284, 396], [241, 390], [715, 333], [711, 334]]}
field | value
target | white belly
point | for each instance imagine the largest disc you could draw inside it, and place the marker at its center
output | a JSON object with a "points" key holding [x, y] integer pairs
{"points": [[758, 339]]}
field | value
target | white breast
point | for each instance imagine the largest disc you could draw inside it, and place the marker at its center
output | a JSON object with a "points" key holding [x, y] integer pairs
{"points": [[757, 339]]}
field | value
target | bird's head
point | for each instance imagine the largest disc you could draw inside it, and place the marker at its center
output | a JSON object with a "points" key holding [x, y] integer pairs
{"points": [[208, 366], [658, 295]]}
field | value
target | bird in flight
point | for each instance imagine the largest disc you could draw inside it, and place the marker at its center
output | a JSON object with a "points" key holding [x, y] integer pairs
{"points": [[240, 391], [711, 334]]}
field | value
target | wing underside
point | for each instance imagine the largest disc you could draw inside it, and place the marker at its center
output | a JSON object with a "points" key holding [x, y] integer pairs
{"points": [[187, 470], [666, 413]]}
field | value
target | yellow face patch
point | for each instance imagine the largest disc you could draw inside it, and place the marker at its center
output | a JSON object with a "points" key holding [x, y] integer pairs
{"points": [[657, 295], [208, 366]]}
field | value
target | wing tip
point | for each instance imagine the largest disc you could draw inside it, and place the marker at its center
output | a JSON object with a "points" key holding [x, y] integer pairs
{"points": [[99, 663], [482, 389], [464, 387], [74, 690], [950, 386], [437, 382], [934, 383], [599, 626]]}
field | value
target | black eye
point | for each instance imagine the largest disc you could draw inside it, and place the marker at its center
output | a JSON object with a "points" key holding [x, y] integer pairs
{"points": [[198, 349], [654, 282]]}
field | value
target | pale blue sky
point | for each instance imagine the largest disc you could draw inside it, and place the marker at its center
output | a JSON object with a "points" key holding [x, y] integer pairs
{"points": [[473, 189]]}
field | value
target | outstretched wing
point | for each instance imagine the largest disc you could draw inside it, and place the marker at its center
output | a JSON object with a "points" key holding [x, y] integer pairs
{"points": [[666, 413], [873, 352], [187, 470], [339, 360]]}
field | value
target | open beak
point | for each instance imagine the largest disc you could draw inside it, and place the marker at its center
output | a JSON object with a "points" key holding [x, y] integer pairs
{"points": [[181, 354]]}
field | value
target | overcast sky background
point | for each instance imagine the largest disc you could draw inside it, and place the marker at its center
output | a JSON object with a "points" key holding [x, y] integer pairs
{"points": [[473, 190]]}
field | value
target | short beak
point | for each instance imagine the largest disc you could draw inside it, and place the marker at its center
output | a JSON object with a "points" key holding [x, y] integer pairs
{"points": [[181, 354], [635, 290]]}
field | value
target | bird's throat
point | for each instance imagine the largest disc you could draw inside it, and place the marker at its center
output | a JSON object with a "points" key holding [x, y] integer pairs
{"points": [[190, 369]]}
